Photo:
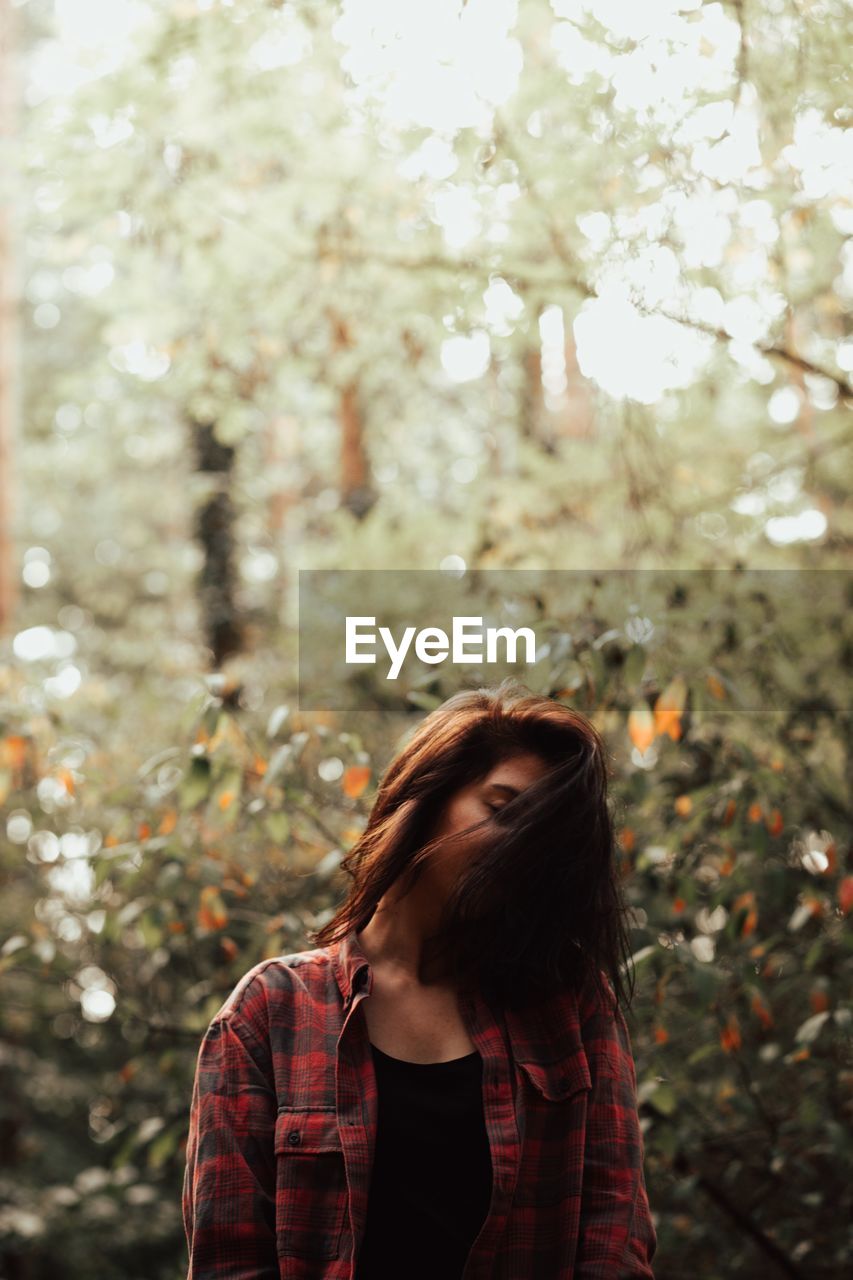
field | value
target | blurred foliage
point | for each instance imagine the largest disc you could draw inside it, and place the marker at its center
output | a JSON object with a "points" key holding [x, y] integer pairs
{"points": [[131, 911], [227, 227], [219, 230]]}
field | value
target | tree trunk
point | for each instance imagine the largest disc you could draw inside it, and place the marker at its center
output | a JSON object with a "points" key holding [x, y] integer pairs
{"points": [[9, 332], [214, 529], [532, 417], [578, 418], [357, 493]]}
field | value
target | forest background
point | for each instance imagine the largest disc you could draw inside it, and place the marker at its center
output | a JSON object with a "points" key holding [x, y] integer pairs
{"points": [[446, 286]]}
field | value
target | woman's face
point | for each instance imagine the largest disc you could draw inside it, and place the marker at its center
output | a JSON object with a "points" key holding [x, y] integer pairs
{"points": [[476, 801]]}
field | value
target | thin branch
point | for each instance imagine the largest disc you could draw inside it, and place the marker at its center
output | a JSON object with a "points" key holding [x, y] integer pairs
{"points": [[747, 1225], [845, 389], [752, 1093], [521, 275]]}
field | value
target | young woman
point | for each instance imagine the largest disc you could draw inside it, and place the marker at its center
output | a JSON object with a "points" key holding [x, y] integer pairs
{"points": [[444, 1086]]}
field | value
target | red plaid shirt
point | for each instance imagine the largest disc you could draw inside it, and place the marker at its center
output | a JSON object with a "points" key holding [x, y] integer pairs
{"points": [[283, 1124]]}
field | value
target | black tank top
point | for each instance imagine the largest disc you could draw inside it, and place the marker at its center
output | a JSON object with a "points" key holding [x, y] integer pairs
{"points": [[432, 1172]]}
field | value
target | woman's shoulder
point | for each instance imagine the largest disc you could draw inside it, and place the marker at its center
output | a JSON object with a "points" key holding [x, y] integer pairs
{"points": [[277, 986]]}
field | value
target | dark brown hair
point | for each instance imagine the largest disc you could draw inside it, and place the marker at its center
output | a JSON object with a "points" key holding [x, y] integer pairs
{"points": [[538, 907]]}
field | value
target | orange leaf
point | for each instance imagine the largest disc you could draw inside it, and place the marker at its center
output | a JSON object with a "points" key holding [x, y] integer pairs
{"points": [[226, 799], [729, 813], [730, 1037], [356, 778], [229, 946], [641, 726], [845, 894], [260, 766], [168, 822], [661, 1034], [66, 777], [678, 905], [761, 1010], [716, 687], [774, 822], [747, 900], [669, 708], [754, 812], [667, 721], [628, 839], [818, 1000], [14, 751], [683, 806], [726, 1091], [143, 831], [211, 910], [234, 886]]}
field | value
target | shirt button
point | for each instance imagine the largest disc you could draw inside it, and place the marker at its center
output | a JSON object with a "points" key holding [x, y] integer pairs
{"points": [[293, 1138]]}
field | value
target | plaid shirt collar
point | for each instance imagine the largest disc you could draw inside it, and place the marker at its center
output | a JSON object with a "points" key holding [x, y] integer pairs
{"points": [[350, 966], [554, 1022]]}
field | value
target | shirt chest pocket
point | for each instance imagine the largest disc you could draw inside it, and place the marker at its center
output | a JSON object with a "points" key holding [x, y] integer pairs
{"points": [[311, 1187], [553, 1108]]}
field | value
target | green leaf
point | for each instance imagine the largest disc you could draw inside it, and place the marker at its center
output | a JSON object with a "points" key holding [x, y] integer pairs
{"points": [[705, 980], [151, 930], [196, 785], [667, 1140], [102, 867], [277, 718], [809, 1030], [645, 953], [229, 784], [664, 1099], [163, 1146], [278, 759], [277, 826], [14, 943], [704, 1051], [635, 665]]}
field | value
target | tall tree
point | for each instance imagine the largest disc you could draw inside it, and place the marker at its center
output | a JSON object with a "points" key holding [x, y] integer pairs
{"points": [[9, 311]]}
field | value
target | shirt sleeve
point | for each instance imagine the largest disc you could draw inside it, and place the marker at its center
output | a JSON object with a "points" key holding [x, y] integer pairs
{"points": [[617, 1238], [228, 1198]]}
